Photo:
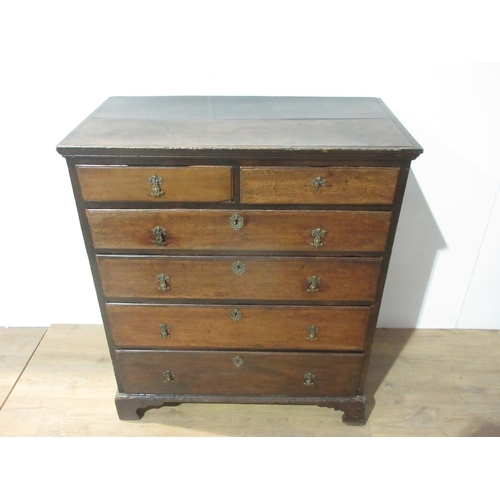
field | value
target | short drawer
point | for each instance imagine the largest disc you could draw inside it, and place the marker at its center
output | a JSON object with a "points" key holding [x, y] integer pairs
{"points": [[238, 327], [317, 186], [156, 184], [251, 230], [239, 373], [247, 278]]}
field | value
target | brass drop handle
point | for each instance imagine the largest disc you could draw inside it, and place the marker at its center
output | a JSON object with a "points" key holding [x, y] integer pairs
{"points": [[317, 234], [164, 331], [313, 281], [236, 314], [168, 376], [309, 379], [163, 280], [238, 361], [318, 182], [313, 332], [159, 234], [236, 221], [156, 182]]}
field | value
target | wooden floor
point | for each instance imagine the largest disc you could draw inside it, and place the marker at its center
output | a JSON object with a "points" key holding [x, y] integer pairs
{"points": [[60, 382]]}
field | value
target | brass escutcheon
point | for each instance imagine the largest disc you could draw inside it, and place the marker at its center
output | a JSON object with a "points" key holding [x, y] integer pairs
{"points": [[313, 281], [317, 234], [238, 267], [236, 221], [159, 234], [238, 361], [168, 376], [313, 333], [309, 379], [236, 314], [156, 181], [318, 182], [164, 330], [163, 279]]}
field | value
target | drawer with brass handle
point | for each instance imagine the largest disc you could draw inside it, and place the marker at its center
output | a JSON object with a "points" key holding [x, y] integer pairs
{"points": [[247, 278], [250, 230], [169, 326], [239, 245], [196, 183], [244, 372], [318, 186]]}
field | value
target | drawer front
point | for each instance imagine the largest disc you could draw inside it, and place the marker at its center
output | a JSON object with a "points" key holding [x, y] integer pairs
{"points": [[287, 230], [238, 327], [247, 278], [245, 373], [326, 185], [156, 184]]}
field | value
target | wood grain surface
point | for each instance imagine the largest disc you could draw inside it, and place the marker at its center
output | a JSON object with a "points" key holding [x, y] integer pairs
{"points": [[17, 345], [274, 278], [424, 382], [260, 327], [349, 186], [281, 230], [261, 373], [200, 125], [196, 183]]}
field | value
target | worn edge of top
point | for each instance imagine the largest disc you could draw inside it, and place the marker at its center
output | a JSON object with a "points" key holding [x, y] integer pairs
{"points": [[68, 151], [417, 146]]}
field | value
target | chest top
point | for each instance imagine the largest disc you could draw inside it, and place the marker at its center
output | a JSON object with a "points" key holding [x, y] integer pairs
{"points": [[202, 126]]}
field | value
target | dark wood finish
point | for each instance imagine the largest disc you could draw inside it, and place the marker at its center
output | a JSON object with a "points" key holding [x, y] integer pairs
{"points": [[261, 374], [354, 409], [133, 406], [342, 279], [195, 183], [286, 230], [403, 176], [255, 157], [260, 327], [221, 126], [353, 185]]}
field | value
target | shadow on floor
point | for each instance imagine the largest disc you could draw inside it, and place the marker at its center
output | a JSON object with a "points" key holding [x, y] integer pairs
{"points": [[487, 429], [387, 346]]}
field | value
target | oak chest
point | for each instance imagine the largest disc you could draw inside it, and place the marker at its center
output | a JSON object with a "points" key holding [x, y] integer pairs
{"points": [[239, 245]]}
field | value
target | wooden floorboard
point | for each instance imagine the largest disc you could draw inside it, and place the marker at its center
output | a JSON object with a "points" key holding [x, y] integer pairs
{"points": [[420, 383], [17, 345]]}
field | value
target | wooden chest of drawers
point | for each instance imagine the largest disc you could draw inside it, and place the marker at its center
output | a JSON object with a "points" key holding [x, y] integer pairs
{"points": [[239, 245]]}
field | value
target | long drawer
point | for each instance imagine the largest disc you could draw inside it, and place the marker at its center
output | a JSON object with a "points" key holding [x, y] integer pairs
{"points": [[247, 278], [170, 326], [286, 230], [233, 373], [316, 186]]}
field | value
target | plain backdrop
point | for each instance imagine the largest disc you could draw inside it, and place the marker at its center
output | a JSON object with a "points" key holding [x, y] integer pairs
{"points": [[429, 63]]}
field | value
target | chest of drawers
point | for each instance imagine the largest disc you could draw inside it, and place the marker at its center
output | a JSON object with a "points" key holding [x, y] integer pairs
{"points": [[239, 245]]}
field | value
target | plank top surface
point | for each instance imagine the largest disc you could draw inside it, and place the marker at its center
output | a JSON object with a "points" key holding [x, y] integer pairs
{"points": [[200, 123]]}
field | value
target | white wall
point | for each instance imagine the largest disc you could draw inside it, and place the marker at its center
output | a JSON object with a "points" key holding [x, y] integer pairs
{"points": [[62, 59]]}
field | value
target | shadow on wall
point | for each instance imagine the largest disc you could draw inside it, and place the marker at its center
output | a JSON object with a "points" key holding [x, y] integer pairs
{"points": [[417, 243]]}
